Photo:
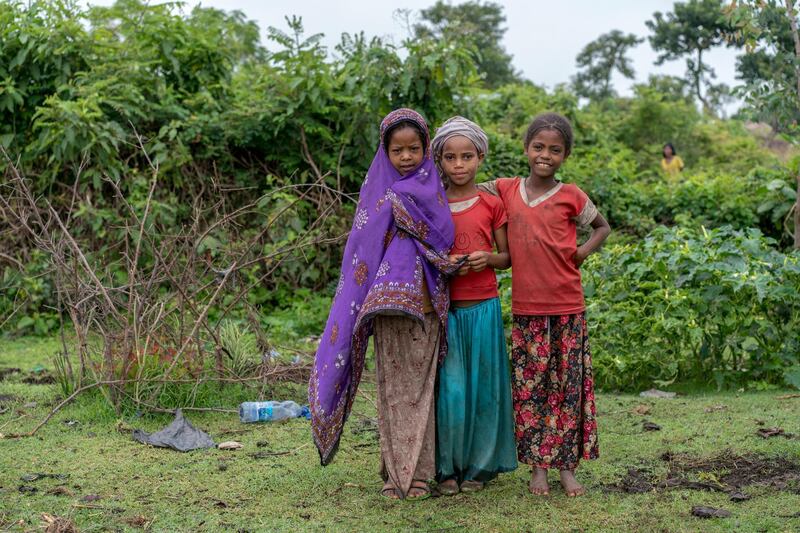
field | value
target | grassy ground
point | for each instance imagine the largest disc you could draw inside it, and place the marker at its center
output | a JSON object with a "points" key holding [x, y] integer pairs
{"points": [[213, 490]]}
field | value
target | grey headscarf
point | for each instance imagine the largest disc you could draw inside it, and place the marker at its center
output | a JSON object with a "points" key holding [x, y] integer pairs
{"points": [[459, 126]]}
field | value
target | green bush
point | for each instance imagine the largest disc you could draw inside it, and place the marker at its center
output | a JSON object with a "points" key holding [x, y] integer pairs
{"points": [[227, 121], [27, 298], [761, 199], [717, 306]]}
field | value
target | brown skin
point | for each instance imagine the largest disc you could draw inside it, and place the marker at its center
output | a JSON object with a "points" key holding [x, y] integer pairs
{"points": [[406, 152], [546, 151], [405, 149], [668, 153], [460, 162]]}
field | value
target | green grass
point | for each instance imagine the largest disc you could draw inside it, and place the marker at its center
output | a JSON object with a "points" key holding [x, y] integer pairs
{"points": [[216, 490]]}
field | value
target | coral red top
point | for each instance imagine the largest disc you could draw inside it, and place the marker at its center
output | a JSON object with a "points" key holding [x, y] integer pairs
{"points": [[542, 240], [475, 219]]}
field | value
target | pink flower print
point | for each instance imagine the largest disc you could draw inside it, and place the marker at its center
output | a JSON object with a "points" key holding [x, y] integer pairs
{"points": [[554, 399], [527, 417], [529, 372], [543, 350], [544, 449]]}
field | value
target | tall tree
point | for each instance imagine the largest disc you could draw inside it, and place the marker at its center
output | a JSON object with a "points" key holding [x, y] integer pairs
{"points": [[770, 31], [478, 23], [599, 59], [767, 68], [690, 30]]}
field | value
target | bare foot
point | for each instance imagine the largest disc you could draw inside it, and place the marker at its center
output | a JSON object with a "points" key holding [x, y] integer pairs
{"points": [[570, 484], [538, 485], [448, 487], [389, 491]]}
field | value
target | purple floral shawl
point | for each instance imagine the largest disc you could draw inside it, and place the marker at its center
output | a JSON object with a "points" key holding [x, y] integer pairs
{"points": [[402, 231]]}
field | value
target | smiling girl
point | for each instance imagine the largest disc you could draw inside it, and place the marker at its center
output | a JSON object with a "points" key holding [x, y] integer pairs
{"points": [[552, 383], [474, 422]]}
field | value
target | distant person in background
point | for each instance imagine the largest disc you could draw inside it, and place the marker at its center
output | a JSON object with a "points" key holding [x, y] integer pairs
{"points": [[671, 164]]}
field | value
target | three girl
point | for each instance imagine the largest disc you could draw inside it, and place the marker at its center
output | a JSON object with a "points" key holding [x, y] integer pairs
{"points": [[396, 267]]}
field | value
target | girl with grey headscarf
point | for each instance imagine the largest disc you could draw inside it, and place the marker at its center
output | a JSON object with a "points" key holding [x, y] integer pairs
{"points": [[474, 424]]}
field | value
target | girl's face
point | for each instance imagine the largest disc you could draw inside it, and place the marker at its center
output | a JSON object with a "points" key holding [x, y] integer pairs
{"points": [[546, 152], [405, 149], [460, 160], [667, 151]]}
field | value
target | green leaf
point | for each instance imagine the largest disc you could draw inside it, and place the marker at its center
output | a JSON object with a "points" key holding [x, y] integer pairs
{"points": [[791, 376], [25, 322]]}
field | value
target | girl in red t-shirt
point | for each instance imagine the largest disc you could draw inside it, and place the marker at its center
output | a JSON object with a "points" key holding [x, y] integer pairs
{"points": [[552, 383], [474, 419]]}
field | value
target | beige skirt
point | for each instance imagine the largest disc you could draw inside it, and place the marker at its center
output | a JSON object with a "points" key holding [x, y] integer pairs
{"points": [[406, 360]]}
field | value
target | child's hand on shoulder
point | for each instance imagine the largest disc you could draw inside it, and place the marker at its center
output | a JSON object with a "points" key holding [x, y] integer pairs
{"points": [[478, 260]]}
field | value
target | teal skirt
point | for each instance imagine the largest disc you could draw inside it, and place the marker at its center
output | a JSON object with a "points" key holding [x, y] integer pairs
{"points": [[474, 421]]}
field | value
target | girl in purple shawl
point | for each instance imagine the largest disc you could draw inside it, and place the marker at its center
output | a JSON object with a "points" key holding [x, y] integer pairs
{"points": [[393, 284]]}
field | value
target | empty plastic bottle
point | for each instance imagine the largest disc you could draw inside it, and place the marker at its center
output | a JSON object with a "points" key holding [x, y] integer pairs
{"points": [[269, 411]]}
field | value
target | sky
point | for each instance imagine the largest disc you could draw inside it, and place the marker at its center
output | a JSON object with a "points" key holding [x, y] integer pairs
{"points": [[544, 37]]}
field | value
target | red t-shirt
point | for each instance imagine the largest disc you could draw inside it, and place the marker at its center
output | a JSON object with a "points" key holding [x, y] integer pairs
{"points": [[475, 227], [542, 240]]}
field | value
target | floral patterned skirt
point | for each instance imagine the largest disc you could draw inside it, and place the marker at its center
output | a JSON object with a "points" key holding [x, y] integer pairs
{"points": [[553, 391]]}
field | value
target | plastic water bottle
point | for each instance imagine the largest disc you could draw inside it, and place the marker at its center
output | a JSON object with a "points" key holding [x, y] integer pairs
{"points": [[269, 411]]}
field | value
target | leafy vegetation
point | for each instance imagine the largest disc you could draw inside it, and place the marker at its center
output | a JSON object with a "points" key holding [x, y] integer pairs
{"points": [[479, 25], [89, 97], [714, 307], [599, 59], [690, 30]]}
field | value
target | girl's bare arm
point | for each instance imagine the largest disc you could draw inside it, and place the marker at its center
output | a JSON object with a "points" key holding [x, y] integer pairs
{"points": [[502, 259], [600, 232]]}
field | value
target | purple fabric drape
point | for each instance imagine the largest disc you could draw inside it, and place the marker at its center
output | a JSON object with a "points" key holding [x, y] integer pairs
{"points": [[402, 232]]}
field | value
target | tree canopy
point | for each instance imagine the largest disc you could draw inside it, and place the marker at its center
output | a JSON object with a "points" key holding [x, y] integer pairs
{"points": [[480, 24], [689, 31], [598, 61]]}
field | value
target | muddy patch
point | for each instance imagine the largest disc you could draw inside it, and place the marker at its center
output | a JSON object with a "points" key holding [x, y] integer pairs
{"points": [[727, 472], [5, 372], [39, 378]]}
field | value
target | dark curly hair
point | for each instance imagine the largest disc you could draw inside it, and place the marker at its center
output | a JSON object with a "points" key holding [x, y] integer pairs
{"points": [[550, 121]]}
